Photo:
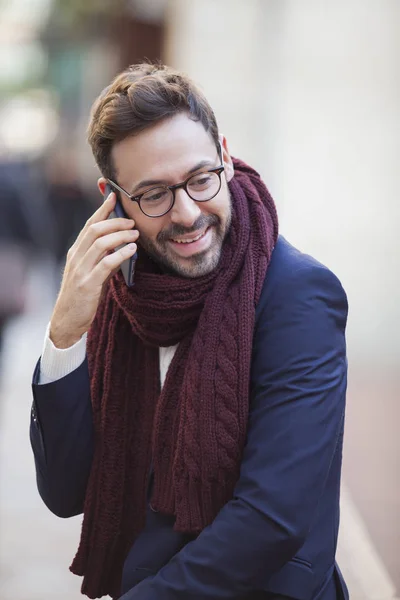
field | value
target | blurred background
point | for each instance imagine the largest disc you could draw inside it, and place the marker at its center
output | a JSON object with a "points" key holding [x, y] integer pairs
{"points": [[308, 92]]}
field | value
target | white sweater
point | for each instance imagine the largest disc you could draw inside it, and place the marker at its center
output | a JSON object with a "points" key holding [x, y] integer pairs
{"points": [[56, 363]]}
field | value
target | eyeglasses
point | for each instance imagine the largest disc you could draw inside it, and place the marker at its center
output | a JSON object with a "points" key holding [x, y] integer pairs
{"points": [[157, 201]]}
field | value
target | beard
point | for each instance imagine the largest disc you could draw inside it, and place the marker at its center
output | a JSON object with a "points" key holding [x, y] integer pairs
{"points": [[193, 266]]}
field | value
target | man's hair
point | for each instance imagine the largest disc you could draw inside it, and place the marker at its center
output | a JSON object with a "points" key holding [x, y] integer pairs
{"points": [[139, 97]]}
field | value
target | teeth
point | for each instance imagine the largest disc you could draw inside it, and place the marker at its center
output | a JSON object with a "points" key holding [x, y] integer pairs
{"points": [[189, 241]]}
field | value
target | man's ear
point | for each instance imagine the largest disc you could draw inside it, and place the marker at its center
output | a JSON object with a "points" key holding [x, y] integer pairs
{"points": [[226, 158], [101, 184]]}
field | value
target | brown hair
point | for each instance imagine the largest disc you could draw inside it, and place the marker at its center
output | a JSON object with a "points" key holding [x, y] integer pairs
{"points": [[138, 97]]}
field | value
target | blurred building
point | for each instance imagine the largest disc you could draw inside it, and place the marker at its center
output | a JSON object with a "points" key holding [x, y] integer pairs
{"points": [[309, 93], [87, 45]]}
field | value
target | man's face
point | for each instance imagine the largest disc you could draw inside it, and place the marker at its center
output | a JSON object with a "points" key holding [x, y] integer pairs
{"points": [[166, 154]]}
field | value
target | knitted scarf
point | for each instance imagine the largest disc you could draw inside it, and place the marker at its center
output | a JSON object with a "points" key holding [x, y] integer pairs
{"points": [[191, 433]]}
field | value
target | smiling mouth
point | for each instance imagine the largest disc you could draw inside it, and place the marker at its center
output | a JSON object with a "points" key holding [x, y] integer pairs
{"points": [[196, 244], [190, 240]]}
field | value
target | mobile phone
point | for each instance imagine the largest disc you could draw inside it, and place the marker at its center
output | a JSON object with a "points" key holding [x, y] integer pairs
{"points": [[128, 266]]}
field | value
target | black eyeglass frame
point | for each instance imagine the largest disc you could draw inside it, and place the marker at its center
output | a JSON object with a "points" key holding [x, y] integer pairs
{"points": [[218, 170]]}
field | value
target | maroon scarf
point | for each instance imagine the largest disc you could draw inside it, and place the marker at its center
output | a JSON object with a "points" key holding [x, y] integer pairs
{"points": [[193, 432]]}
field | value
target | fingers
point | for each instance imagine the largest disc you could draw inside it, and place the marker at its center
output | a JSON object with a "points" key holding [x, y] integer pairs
{"points": [[111, 263], [102, 213], [104, 244], [99, 225], [104, 210]]}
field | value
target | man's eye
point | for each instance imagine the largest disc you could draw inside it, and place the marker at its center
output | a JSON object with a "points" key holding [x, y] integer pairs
{"points": [[155, 196], [201, 180]]}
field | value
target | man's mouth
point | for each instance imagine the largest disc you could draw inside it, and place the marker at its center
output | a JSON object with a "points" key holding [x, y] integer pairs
{"points": [[191, 244], [189, 240]]}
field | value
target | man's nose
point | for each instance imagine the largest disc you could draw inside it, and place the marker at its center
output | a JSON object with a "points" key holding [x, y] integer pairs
{"points": [[185, 210]]}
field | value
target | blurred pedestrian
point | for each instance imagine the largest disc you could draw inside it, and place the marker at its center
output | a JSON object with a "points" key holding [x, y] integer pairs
{"points": [[16, 243], [69, 206], [196, 418]]}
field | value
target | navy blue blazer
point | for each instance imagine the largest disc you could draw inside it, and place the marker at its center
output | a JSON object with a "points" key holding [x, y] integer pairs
{"points": [[277, 536]]}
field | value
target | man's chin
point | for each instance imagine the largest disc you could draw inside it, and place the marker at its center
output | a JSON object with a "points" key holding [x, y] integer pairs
{"points": [[191, 267], [194, 266]]}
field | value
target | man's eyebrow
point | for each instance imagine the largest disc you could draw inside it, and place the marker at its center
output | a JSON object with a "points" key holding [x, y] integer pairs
{"points": [[152, 182]]}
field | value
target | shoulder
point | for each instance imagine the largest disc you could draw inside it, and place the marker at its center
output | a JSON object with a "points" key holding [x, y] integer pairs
{"points": [[294, 278], [300, 322]]}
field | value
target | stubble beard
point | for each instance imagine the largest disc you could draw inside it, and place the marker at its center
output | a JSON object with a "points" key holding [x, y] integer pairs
{"points": [[197, 265]]}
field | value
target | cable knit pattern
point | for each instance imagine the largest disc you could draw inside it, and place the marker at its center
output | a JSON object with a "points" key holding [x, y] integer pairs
{"points": [[193, 430]]}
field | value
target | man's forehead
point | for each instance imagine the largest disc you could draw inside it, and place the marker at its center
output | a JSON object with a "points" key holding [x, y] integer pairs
{"points": [[170, 135], [169, 150]]}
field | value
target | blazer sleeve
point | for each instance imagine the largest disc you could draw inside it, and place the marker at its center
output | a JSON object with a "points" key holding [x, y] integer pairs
{"points": [[298, 385], [62, 439]]}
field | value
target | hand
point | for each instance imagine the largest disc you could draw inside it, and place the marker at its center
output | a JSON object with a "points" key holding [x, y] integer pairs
{"points": [[90, 262]]}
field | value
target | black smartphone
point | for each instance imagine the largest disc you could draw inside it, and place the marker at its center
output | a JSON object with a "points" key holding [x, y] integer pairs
{"points": [[128, 266]]}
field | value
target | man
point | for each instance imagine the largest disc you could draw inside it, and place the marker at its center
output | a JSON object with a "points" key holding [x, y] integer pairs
{"points": [[196, 418]]}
